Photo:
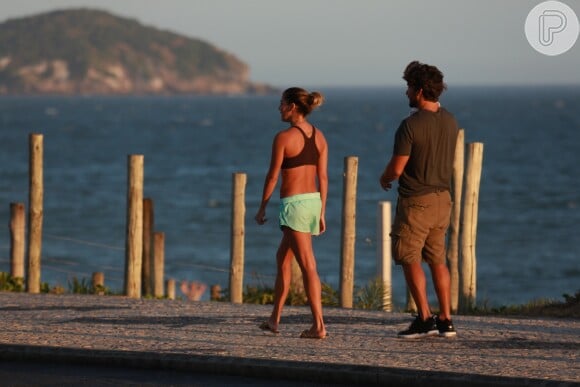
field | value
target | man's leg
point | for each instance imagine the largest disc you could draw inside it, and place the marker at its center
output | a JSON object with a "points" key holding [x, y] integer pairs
{"points": [[434, 253], [442, 284], [417, 283]]}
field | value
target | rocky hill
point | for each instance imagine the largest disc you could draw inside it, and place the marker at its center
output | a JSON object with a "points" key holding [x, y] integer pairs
{"points": [[82, 51]]}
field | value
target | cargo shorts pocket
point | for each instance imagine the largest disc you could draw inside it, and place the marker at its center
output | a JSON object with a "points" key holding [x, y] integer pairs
{"points": [[405, 245]]}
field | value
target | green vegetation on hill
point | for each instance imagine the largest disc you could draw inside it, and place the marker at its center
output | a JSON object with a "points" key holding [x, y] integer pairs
{"points": [[83, 50]]}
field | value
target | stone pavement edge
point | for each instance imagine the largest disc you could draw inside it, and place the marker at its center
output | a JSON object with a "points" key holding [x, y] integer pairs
{"points": [[223, 338]]}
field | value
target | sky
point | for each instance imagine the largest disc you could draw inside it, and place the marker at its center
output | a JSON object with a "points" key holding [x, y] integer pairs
{"points": [[352, 42]]}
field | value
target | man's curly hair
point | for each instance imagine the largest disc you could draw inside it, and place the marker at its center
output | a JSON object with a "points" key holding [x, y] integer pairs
{"points": [[423, 76]]}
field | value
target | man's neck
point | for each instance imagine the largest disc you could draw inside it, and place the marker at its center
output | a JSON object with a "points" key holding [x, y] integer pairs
{"points": [[429, 105]]}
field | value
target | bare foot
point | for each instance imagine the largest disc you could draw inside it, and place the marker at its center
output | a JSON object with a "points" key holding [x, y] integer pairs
{"points": [[313, 334], [268, 326]]}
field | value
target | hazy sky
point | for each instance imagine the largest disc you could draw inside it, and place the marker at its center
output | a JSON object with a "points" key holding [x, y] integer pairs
{"points": [[352, 42]]}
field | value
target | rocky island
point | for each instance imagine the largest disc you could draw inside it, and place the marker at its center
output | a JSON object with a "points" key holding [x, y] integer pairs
{"points": [[92, 52]]}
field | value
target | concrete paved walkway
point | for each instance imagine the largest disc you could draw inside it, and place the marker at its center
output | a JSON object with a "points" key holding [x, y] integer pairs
{"points": [[223, 338]]}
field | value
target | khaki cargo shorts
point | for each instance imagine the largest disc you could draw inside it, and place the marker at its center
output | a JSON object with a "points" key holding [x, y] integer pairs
{"points": [[419, 229]]}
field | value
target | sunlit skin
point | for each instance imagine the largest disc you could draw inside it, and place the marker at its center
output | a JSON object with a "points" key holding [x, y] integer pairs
{"points": [[299, 180], [414, 273]]}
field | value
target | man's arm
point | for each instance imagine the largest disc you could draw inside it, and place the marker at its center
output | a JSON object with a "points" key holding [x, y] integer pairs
{"points": [[393, 170]]}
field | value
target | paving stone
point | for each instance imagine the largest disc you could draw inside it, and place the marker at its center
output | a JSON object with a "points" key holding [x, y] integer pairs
{"points": [[224, 338]]}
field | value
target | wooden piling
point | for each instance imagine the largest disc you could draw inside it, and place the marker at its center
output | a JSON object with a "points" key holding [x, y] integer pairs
{"points": [[348, 232], [134, 232], [17, 239], [237, 238], [453, 236], [147, 264], [384, 256], [170, 289], [35, 211], [98, 282], [296, 283], [215, 293], [469, 213], [411, 305], [158, 263]]}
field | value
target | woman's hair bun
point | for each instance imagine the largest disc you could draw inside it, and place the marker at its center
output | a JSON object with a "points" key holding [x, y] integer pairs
{"points": [[304, 100], [315, 99]]}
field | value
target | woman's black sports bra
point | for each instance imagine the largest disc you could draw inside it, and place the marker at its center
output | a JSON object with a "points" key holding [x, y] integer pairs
{"points": [[308, 156]]}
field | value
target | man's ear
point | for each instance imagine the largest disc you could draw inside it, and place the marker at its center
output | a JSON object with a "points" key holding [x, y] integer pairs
{"points": [[420, 95]]}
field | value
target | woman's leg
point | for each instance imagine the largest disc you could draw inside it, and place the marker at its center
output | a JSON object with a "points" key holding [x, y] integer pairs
{"points": [[284, 257], [301, 245]]}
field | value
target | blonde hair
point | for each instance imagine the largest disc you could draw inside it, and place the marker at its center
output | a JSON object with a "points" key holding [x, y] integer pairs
{"points": [[305, 101]]}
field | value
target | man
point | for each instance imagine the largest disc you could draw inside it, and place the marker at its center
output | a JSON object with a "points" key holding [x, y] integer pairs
{"points": [[422, 161]]}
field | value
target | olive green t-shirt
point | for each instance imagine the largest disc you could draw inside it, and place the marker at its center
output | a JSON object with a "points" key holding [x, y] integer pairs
{"points": [[429, 139]]}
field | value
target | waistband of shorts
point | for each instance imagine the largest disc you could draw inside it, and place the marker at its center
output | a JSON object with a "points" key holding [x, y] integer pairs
{"points": [[298, 197], [435, 192]]}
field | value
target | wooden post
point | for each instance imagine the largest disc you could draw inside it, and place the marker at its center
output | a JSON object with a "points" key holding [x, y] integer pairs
{"points": [[134, 235], [98, 280], [384, 256], [296, 284], [215, 293], [237, 238], [170, 289], [469, 225], [158, 263], [148, 228], [348, 231], [35, 212], [453, 241], [17, 239], [411, 306]]}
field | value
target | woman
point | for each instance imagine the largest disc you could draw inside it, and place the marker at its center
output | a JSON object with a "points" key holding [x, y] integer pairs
{"points": [[300, 153]]}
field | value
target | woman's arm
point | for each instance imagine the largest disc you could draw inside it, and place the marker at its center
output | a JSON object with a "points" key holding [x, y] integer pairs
{"points": [[322, 172], [271, 177]]}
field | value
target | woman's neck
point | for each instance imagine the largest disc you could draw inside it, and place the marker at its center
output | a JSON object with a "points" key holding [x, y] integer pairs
{"points": [[298, 121]]}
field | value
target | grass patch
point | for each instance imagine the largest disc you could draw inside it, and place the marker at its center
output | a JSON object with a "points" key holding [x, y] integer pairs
{"points": [[8, 283], [568, 308], [368, 297], [11, 284]]}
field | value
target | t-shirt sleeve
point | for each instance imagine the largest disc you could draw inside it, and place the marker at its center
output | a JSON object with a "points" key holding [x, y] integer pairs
{"points": [[403, 140]]}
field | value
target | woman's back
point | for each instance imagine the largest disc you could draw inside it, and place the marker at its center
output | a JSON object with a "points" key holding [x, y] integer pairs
{"points": [[297, 178]]}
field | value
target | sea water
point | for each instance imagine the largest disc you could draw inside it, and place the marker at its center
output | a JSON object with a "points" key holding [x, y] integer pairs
{"points": [[529, 204]]}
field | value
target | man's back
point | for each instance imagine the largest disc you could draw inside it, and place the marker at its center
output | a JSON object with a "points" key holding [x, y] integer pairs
{"points": [[429, 139]]}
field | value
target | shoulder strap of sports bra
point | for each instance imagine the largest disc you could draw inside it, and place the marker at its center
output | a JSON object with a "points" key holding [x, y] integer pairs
{"points": [[304, 134]]}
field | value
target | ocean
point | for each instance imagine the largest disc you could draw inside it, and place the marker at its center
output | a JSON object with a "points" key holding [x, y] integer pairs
{"points": [[529, 206]]}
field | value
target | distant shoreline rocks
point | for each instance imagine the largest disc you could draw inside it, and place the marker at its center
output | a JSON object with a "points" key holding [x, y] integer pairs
{"points": [[91, 52]]}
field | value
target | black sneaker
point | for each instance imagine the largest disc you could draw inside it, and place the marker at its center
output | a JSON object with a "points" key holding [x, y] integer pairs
{"points": [[420, 328], [446, 328]]}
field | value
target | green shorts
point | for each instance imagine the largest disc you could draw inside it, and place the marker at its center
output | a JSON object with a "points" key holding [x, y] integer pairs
{"points": [[301, 212]]}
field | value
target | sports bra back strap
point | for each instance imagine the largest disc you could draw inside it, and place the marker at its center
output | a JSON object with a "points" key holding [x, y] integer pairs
{"points": [[304, 134]]}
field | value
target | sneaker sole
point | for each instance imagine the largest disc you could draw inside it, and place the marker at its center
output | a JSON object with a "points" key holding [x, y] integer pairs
{"points": [[447, 334], [418, 335]]}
